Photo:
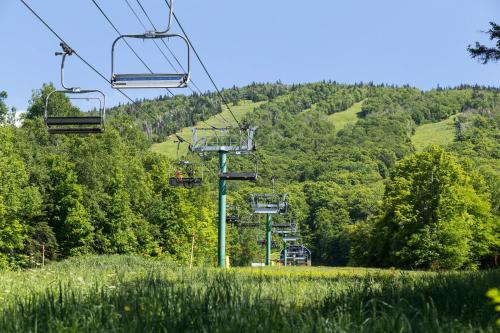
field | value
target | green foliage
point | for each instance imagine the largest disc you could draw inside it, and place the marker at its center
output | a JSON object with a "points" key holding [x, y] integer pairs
{"points": [[435, 215], [484, 53], [109, 194], [494, 295], [3, 107]]}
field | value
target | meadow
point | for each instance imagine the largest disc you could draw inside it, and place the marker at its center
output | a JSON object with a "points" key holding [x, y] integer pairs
{"points": [[134, 294]]}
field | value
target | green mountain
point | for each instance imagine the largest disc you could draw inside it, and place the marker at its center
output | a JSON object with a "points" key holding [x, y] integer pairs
{"points": [[347, 155]]}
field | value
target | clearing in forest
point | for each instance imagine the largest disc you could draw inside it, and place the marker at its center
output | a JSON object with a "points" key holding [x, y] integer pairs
{"points": [[440, 133], [169, 146], [349, 116]]}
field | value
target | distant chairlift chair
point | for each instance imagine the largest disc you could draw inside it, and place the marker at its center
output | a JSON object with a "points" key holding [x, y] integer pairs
{"points": [[151, 80], [185, 175], [269, 203], [57, 124]]}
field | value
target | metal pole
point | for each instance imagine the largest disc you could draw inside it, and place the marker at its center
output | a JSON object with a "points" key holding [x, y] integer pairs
{"points": [[284, 253], [268, 239], [221, 249], [192, 252]]}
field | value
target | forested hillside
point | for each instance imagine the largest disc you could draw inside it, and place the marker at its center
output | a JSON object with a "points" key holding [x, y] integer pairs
{"points": [[357, 187]]}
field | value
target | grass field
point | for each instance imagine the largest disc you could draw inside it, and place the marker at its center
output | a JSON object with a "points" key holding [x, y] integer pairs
{"points": [[169, 147], [349, 116], [440, 133], [133, 294]]}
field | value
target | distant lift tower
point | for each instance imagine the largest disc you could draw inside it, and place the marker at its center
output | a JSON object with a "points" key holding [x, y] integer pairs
{"points": [[223, 141], [269, 204]]}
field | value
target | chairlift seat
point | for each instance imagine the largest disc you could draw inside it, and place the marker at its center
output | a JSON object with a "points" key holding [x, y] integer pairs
{"points": [[149, 80], [248, 176], [75, 130], [185, 182], [73, 120], [282, 225], [266, 210], [283, 232]]}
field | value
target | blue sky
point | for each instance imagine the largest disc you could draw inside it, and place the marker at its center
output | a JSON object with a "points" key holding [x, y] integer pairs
{"points": [[421, 43]]}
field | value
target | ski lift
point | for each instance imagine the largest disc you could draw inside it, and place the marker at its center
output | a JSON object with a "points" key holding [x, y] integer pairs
{"points": [[185, 174], [233, 214], [295, 254], [284, 228], [74, 124], [151, 80], [227, 139], [269, 203], [240, 174], [251, 222]]}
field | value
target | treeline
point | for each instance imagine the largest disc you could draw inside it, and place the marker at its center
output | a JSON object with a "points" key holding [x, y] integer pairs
{"points": [[360, 194], [62, 196], [363, 196]]}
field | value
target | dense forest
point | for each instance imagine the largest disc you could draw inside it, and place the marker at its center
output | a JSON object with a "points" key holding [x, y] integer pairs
{"points": [[361, 194]]}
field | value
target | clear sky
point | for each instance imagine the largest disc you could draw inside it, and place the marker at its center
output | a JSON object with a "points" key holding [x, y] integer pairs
{"points": [[418, 42]]}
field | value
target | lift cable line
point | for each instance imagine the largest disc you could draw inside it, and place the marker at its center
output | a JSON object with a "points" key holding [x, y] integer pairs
{"points": [[170, 51], [145, 28], [161, 51], [126, 42], [165, 44], [204, 67], [158, 46], [76, 53]]}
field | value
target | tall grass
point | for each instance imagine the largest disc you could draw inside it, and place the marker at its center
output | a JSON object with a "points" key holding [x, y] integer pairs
{"points": [[130, 294]]}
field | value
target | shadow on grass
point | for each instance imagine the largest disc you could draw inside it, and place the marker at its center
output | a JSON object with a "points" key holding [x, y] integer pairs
{"points": [[211, 301]]}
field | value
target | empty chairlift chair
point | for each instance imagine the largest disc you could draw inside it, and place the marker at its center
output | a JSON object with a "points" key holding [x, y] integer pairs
{"points": [[284, 228], [151, 80], [269, 203], [74, 124], [243, 175], [233, 214], [295, 254]]}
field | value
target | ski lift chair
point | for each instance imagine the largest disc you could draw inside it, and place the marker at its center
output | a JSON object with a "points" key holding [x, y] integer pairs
{"points": [[284, 228], [184, 174], [151, 80], [269, 203], [242, 175], [74, 124], [233, 214]]}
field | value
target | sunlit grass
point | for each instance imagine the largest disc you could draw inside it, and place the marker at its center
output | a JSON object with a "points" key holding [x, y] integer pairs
{"points": [[440, 133], [349, 116], [133, 294]]}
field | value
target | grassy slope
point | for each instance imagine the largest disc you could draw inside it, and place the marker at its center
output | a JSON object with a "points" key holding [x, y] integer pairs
{"points": [[169, 147], [133, 294], [440, 133], [349, 116]]}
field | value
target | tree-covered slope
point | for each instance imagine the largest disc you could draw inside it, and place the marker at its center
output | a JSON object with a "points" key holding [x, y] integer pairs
{"points": [[337, 162]]}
